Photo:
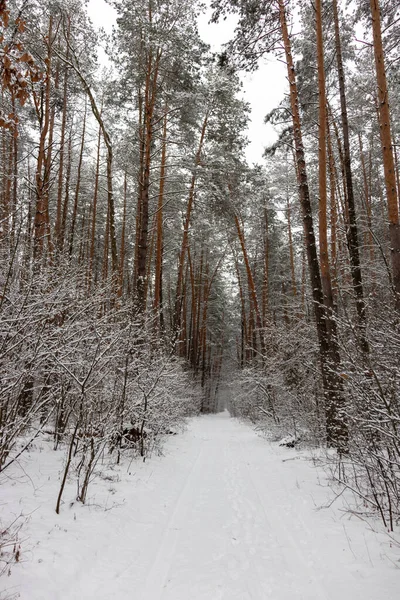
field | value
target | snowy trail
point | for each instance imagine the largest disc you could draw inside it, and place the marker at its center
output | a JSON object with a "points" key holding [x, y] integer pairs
{"points": [[241, 529], [223, 516], [224, 537]]}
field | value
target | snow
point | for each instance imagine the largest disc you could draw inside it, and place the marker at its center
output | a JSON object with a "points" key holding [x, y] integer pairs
{"points": [[223, 515]]}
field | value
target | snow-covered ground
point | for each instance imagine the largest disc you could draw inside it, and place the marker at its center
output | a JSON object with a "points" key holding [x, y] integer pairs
{"points": [[224, 515]]}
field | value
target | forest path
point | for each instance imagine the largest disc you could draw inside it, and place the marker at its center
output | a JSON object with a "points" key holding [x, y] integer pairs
{"points": [[239, 521], [233, 533], [223, 515]]}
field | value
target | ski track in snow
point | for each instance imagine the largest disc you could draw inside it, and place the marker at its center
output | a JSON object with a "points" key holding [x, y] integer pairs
{"points": [[220, 517]]}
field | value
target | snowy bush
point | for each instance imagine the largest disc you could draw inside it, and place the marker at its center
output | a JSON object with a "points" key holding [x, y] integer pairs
{"points": [[84, 373], [283, 396]]}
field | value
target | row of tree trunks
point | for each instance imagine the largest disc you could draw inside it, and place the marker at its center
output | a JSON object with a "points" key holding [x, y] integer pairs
{"points": [[71, 60], [336, 428], [194, 343], [387, 149], [185, 236], [251, 283]]}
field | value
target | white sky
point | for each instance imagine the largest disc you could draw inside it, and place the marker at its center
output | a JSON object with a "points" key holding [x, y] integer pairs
{"points": [[263, 89]]}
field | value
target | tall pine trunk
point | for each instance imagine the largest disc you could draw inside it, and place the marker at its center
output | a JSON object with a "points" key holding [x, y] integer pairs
{"points": [[352, 228], [143, 233], [160, 240], [387, 149], [322, 169]]}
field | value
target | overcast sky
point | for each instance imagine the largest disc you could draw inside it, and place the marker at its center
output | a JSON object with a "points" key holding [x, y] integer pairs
{"points": [[264, 89]]}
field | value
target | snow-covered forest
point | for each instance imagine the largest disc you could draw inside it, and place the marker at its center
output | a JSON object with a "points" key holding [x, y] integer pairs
{"points": [[152, 278]]}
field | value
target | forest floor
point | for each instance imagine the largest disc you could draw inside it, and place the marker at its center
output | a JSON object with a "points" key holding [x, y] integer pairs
{"points": [[223, 515]]}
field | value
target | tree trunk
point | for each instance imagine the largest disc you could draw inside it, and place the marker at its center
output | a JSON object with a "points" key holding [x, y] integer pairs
{"points": [[77, 188], [142, 234], [333, 210], [62, 146], [196, 341], [122, 249], [291, 250], [66, 195], [250, 281], [94, 211], [322, 165], [265, 290], [243, 313], [41, 215], [138, 217], [160, 242], [387, 150], [106, 246], [369, 240], [351, 229]]}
